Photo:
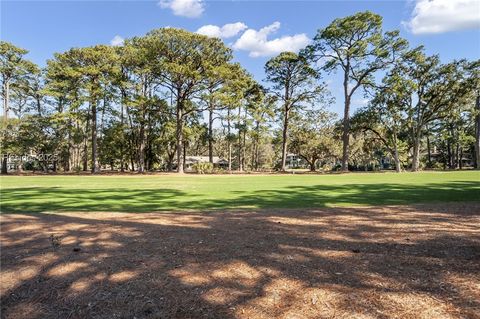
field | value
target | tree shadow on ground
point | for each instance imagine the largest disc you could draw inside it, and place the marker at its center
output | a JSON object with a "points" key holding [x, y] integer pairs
{"points": [[406, 262], [51, 199]]}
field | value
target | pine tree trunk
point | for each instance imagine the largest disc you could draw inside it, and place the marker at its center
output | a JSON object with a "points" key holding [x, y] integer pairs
{"points": [[239, 150], [141, 149], [170, 161], [244, 148], [94, 137], [4, 164], [416, 151], [132, 162], [284, 138], [210, 133], [6, 97], [477, 133], [255, 154], [39, 106], [122, 155], [429, 153], [229, 144], [179, 137], [449, 154], [346, 124], [457, 155], [184, 154], [398, 167], [85, 145], [460, 161]]}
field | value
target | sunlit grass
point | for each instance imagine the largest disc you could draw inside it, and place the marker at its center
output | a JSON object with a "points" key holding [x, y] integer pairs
{"points": [[137, 193]]}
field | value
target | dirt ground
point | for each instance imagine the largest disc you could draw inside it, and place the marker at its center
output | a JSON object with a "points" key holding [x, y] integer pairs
{"points": [[380, 262]]}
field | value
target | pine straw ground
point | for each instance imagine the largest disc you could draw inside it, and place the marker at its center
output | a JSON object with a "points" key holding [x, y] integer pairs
{"points": [[373, 262]]}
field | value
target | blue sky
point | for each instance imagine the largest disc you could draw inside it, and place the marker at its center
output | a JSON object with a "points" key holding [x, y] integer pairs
{"points": [[449, 28]]}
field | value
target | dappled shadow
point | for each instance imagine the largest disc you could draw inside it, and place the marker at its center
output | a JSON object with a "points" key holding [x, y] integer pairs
{"points": [[357, 194], [48, 199], [384, 262]]}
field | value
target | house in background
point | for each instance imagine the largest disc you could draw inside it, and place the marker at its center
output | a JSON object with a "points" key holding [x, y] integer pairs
{"points": [[295, 161], [218, 162]]}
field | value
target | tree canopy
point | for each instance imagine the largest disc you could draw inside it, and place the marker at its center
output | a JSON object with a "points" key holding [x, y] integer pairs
{"points": [[159, 100]]}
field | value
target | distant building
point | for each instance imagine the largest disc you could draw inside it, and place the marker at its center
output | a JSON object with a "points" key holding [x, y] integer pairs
{"points": [[217, 161], [295, 161]]}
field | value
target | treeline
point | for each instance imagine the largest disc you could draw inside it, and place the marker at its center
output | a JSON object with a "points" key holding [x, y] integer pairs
{"points": [[151, 102]]}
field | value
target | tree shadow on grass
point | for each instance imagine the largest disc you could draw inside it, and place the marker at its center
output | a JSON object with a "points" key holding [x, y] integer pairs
{"points": [[51, 199], [323, 263], [48, 199]]}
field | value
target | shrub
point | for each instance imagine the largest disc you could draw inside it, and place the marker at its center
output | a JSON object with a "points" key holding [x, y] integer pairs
{"points": [[327, 167], [203, 167]]}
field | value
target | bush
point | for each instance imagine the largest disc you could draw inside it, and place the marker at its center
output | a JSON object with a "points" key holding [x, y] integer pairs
{"points": [[203, 167], [337, 168], [327, 167]]}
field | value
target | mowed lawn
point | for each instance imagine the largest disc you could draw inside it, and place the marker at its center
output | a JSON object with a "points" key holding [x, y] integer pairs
{"points": [[201, 249], [149, 193]]}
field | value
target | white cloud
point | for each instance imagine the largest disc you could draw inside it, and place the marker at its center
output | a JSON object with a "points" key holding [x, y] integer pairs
{"points": [[227, 31], [257, 43], [117, 41], [438, 16], [184, 8]]}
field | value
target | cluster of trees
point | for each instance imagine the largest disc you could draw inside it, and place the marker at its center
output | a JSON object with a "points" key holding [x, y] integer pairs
{"points": [[147, 104]]}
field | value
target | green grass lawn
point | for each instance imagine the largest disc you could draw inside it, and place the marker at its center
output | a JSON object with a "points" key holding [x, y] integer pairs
{"points": [[147, 193]]}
